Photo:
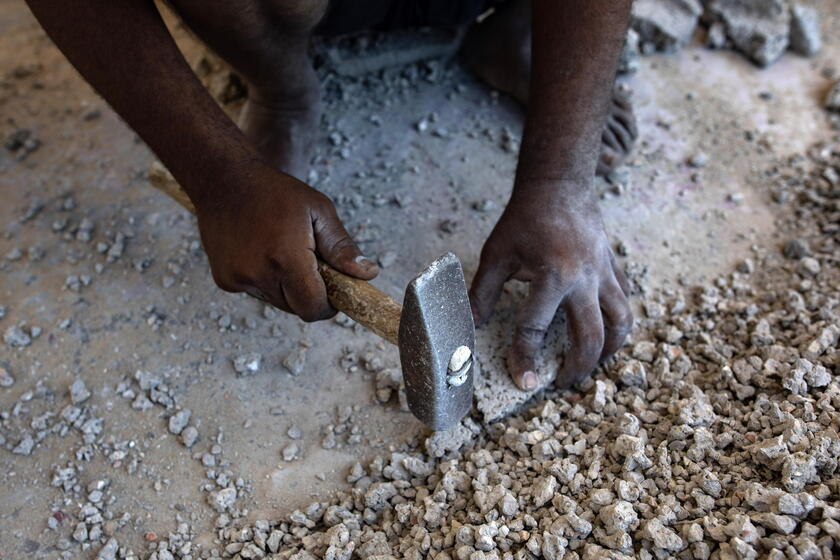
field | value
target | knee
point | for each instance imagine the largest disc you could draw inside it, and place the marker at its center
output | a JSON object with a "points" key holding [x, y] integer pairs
{"points": [[297, 15]]}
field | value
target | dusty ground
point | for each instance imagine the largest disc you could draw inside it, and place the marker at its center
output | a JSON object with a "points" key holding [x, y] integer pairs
{"points": [[156, 309]]}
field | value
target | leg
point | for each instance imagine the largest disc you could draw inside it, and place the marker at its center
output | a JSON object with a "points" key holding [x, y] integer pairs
{"points": [[498, 50], [267, 43]]}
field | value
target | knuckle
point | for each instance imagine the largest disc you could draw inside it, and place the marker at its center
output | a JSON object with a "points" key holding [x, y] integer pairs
{"points": [[530, 335]]}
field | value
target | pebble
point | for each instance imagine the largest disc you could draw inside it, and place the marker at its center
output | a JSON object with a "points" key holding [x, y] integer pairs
{"points": [[6, 379], [247, 364], [79, 393], [16, 337], [189, 436], [179, 421]]}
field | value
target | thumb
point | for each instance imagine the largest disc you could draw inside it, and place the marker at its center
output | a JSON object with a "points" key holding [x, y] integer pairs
{"points": [[337, 248]]}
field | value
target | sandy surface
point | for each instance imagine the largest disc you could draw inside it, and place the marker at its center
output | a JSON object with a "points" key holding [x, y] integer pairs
{"points": [[156, 308]]}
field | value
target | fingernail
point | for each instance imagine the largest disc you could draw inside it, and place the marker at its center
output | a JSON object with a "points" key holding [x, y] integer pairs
{"points": [[529, 380], [364, 261]]}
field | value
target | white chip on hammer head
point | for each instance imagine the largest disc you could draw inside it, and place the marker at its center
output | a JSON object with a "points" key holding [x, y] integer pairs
{"points": [[459, 358]]}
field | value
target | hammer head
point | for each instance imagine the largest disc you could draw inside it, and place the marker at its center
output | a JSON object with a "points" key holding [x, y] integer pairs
{"points": [[436, 343]]}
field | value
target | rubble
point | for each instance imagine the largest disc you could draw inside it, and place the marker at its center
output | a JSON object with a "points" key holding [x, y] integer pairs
{"points": [[832, 98], [664, 454], [665, 25], [805, 34], [757, 28]]}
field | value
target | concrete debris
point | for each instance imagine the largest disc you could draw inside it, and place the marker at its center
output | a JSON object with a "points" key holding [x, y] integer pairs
{"points": [[295, 361], [757, 28], [832, 98], [179, 421], [16, 337], [247, 364], [6, 379], [805, 34], [665, 451], [665, 25], [79, 392]]}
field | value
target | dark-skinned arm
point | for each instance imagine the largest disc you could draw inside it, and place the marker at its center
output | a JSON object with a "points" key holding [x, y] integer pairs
{"points": [[261, 228], [551, 233]]}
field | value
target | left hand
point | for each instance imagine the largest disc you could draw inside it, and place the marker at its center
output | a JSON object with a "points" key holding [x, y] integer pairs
{"points": [[551, 234]]}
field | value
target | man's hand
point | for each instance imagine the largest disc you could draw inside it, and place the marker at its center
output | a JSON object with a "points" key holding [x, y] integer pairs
{"points": [[555, 241], [263, 234]]}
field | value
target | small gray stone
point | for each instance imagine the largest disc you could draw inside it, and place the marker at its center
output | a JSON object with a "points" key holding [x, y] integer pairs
{"points": [[247, 364], [189, 436], [290, 452], [222, 500], [805, 35], [179, 421], [79, 392], [16, 337], [6, 379], [295, 361]]}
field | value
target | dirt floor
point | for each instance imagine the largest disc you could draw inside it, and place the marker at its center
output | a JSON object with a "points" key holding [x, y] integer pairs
{"points": [[105, 313]]}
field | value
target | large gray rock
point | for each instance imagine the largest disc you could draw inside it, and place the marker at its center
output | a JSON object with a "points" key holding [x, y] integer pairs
{"points": [[495, 394], [665, 25], [757, 28]]}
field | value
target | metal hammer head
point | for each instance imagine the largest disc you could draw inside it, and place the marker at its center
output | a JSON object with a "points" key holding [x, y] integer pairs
{"points": [[437, 342]]}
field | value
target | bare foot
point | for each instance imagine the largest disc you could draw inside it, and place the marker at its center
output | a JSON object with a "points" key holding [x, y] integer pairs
{"points": [[283, 128], [498, 51]]}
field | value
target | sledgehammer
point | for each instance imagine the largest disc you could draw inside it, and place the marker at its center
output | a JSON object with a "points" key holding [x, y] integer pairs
{"points": [[433, 329]]}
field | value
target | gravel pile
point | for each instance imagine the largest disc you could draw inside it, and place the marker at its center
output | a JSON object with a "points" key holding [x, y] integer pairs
{"points": [[714, 434]]}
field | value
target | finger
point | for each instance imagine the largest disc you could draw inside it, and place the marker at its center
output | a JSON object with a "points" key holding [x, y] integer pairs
{"points": [[271, 294], [620, 276], [617, 315], [338, 249], [487, 285], [586, 334], [302, 286], [534, 317]]}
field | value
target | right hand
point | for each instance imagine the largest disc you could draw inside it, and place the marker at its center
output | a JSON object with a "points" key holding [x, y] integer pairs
{"points": [[263, 234]]}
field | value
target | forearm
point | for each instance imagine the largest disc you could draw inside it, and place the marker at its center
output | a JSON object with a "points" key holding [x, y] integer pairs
{"points": [[575, 50], [125, 52]]}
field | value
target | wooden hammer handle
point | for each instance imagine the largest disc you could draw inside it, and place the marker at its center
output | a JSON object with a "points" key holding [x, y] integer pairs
{"points": [[357, 299]]}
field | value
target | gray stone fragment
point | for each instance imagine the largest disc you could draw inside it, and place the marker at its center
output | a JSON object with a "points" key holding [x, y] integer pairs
{"points": [[665, 25], [25, 446], [247, 364], [290, 452], [628, 61], [6, 379], [179, 421], [617, 517], [662, 537], [805, 35], [295, 361], [778, 523], [79, 392], [16, 337], [109, 551], [832, 98], [378, 495], [757, 28], [189, 436], [222, 500]]}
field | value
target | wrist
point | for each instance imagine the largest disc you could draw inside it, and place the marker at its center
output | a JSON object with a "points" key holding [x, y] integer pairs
{"points": [[554, 193]]}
